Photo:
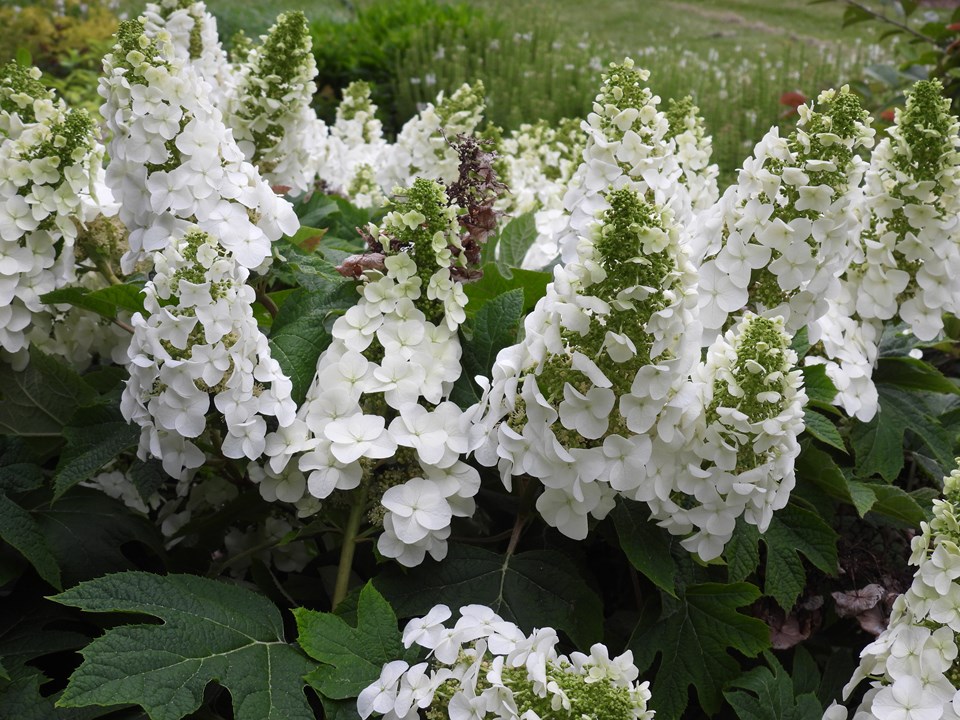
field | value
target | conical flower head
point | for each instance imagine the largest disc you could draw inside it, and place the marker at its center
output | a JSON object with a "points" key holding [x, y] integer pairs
{"points": [[784, 233], [694, 149], [741, 437], [909, 263], [912, 666], [270, 113], [23, 98], [577, 403], [377, 415]]}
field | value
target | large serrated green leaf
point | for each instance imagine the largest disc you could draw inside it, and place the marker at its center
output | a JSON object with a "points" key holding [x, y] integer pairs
{"points": [[792, 531], [211, 631], [646, 545], [913, 374], [897, 504], [108, 301], [514, 240], [300, 331], [822, 428], [693, 639], [493, 328], [742, 553], [39, 400], [89, 448], [766, 695], [817, 467], [351, 657], [493, 284], [534, 589], [20, 530], [817, 384]]}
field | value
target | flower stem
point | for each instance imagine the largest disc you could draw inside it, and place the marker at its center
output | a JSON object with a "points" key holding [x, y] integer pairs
{"points": [[349, 545]]}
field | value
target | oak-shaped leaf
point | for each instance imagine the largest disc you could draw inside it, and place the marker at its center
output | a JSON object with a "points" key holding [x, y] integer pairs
{"points": [[694, 637], [210, 632]]}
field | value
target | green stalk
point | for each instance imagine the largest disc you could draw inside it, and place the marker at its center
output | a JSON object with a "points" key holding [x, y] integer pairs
{"points": [[349, 545]]}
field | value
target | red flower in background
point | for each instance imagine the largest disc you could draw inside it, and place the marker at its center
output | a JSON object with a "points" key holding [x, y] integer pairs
{"points": [[888, 115], [792, 99]]}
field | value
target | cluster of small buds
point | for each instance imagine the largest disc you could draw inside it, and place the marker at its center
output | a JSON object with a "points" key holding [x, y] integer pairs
{"points": [[422, 150], [909, 264], [50, 168], [912, 666], [200, 341], [356, 148], [694, 149], [270, 106], [626, 145], [173, 162], [487, 668], [783, 235], [582, 400], [23, 98], [196, 42], [741, 436], [376, 413]]}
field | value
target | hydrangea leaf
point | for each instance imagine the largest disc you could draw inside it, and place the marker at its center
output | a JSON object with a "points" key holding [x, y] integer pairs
{"points": [[211, 631], [20, 530], [493, 328], [351, 657], [514, 240], [91, 445], [108, 301], [693, 638], [913, 374], [742, 553], [897, 504], [792, 531], [539, 588], [766, 695], [646, 545], [817, 385], [822, 429], [878, 444], [87, 532], [493, 284], [300, 332], [816, 466], [39, 400]]}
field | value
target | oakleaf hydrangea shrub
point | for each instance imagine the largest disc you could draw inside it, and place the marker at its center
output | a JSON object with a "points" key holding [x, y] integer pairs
{"points": [[355, 148], [51, 183], [912, 665], [580, 402], [910, 247], [626, 145], [694, 151], [270, 111], [199, 340], [486, 667], [377, 414], [174, 163], [785, 229], [195, 40], [742, 440]]}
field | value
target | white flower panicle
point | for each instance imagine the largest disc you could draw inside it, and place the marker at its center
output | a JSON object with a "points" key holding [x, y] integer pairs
{"points": [[742, 438], [785, 229], [200, 342], [270, 110], [486, 668], [50, 166], [581, 401], [626, 145], [193, 34], [173, 162], [23, 98], [694, 149], [422, 149], [356, 148], [912, 665], [376, 415], [909, 265]]}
